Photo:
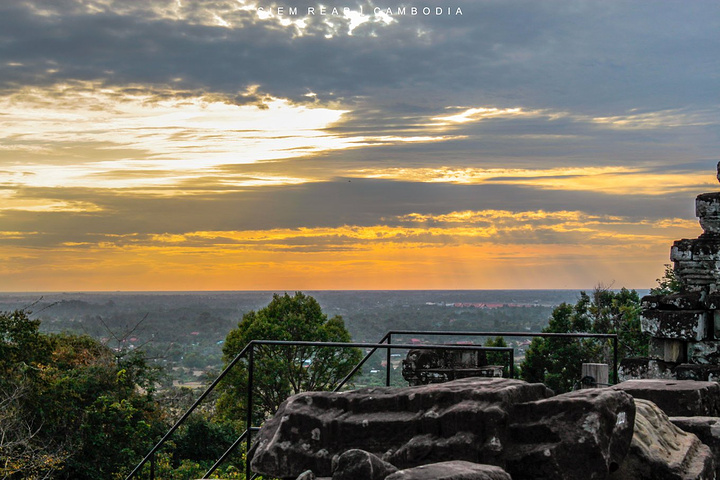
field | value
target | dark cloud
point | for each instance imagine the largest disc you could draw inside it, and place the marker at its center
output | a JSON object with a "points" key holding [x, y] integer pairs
{"points": [[584, 56], [563, 62]]}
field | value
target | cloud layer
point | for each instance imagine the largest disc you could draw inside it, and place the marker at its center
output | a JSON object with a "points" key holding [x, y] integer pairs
{"points": [[209, 144]]}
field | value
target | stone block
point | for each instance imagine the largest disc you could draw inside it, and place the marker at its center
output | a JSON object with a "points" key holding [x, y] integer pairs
{"points": [[713, 375], [697, 266], [701, 248], [636, 368], [354, 464], [713, 302], [579, 435], [700, 285], [452, 470], [705, 352], [675, 324], [707, 209], [681, 250], [667, 350], [707, 204], [713, 305], [687, 371], [661, 451], [678, 398], [694, 276], [503, 422], [677, 301], [707, 429], [460, 420]]}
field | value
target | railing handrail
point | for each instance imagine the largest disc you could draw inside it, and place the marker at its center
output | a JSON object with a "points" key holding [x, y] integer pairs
{"points": [[461, 333], [613, 336], [249, 348], [372, 347]]}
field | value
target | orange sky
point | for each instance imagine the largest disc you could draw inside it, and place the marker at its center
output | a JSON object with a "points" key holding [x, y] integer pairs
{"points": [[218, 147]]}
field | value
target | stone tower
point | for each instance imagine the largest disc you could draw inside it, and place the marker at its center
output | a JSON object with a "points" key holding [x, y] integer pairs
{"points": [[685, 326]]}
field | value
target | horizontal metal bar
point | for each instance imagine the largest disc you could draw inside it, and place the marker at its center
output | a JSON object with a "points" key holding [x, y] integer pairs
{"points": [[502, 334], [378, 345]]}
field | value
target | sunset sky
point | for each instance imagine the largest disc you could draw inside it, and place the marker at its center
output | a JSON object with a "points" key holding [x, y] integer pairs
{"points": [[216, 145]]}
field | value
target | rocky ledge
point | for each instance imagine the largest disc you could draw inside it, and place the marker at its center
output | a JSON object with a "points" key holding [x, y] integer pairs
{"points": [[475, 428]]}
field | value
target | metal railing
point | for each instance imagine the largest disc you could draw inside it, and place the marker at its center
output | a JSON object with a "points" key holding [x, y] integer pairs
{"points": [[249, 353], [447, 333], [385, 344]]}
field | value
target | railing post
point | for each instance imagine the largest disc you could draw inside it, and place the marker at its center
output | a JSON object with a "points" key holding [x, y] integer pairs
{"points": [[512, 363], [615, 360], [387, 367], [248, 427]]}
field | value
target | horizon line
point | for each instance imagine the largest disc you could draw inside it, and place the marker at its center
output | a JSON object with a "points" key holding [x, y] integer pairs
{"points": [[67, 292]]}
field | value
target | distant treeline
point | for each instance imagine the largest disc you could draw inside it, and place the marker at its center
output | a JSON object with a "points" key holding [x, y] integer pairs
{"points": [[184, 332]]}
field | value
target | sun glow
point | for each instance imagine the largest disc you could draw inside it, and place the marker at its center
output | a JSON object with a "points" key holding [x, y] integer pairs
{"points": [[477, 114], [103, 137]]}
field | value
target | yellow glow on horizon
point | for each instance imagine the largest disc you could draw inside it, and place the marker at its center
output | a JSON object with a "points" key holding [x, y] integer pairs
{"points": [[469, 175], [626, 183], [415, 230], [610, 179], [384, 266], [461, 249]]}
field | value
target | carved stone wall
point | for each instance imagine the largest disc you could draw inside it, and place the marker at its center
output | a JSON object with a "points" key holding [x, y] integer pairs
{"points": [[685, 326]]}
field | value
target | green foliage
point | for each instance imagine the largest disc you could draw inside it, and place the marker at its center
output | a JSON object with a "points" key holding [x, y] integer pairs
{"points": [[167, 469], [557, 362], [281, 371], [500, 358], [22, 347], [668, 284], [78, 408], [202, 440], [496, 358]]}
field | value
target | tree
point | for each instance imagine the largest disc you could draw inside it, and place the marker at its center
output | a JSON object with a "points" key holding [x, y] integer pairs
{"points": [[22, 347], [72, 408], [668, 284], [499, 358], [557, 362], [280, 371], [23, 451]]}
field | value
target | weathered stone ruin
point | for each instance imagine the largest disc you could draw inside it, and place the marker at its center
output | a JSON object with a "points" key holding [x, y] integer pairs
{"points": [[685, 326], [491, 428]]}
